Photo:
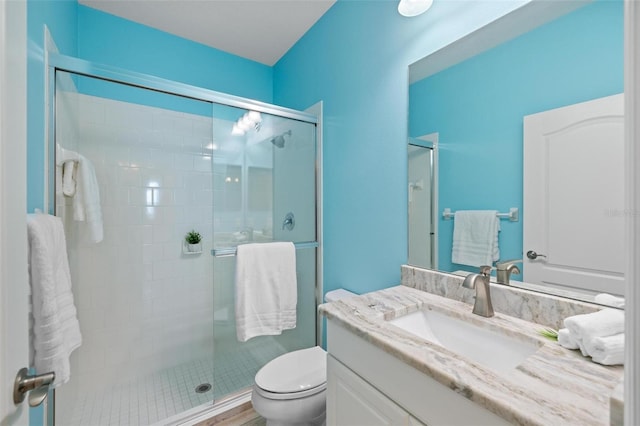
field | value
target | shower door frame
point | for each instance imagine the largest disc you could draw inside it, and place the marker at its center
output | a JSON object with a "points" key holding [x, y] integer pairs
{"points": [[57, 62]]}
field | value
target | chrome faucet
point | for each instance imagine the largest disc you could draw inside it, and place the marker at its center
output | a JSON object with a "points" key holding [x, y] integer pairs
{"points": [[505, 269], [482, 305]]}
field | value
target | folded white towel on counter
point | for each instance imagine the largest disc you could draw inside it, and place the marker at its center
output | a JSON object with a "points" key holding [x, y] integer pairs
{"points": [[566, 339], [475, 237], [606, 322], [266, 289], [609, 299], [607, 350], [55, 330]]}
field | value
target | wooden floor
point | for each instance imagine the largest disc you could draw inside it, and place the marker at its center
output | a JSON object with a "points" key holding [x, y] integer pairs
{"points": [[243, 415]]}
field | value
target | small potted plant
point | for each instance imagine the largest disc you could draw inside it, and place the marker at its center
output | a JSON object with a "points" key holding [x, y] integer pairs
{"points": [[193, 239]]}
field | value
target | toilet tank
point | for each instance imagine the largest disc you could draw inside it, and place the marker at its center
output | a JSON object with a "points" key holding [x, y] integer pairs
{"points": [[338, 294]]}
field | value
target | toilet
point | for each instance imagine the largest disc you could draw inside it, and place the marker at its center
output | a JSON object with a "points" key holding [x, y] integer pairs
{"points": [[291, 389]]}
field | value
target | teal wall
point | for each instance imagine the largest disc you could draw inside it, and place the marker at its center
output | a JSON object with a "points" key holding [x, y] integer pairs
{"points": [[60, 16], [356, 60], [478, 107], [111, 40]]}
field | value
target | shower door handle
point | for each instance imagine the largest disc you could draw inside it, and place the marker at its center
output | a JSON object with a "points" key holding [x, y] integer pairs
{"points": [[37, 386]]}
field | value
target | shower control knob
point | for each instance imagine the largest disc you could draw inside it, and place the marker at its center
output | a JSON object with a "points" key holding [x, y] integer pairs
{"points": [[289, 222], [533, 255]]}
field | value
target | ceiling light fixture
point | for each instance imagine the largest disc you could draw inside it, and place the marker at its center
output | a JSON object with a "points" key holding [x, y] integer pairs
{"points": [[413, 7]]}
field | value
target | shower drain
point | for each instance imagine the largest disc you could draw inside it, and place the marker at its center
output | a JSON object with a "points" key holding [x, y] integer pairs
{"points": [[205, 387]]}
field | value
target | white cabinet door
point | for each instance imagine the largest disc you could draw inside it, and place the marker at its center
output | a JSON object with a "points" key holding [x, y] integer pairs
{"points": [[351, 401], [574, 196]]}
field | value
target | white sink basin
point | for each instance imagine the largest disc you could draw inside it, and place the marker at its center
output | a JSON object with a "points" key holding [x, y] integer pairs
{"points": [[499, 352]]}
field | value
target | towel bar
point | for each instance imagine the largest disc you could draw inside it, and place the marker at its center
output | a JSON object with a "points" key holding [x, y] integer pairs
{"points": [[513, 215], [231, 251]]}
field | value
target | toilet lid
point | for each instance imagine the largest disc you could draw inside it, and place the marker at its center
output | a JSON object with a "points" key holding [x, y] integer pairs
{"points": [[294, 372]]}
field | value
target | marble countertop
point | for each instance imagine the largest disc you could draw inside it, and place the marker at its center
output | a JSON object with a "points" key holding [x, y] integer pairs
{"points": [[551, 387]]}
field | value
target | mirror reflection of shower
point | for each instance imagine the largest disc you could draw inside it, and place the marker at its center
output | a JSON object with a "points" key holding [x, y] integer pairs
{"points": [[278, 141]]}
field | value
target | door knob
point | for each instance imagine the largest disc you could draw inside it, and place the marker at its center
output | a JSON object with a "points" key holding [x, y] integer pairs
{"points": [[37, 386], [533, 255]]}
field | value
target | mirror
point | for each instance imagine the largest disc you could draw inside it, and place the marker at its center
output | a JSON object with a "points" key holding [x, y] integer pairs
{"points": [[472, 98]]}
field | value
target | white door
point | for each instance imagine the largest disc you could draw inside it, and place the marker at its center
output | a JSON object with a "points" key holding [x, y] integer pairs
{"points": [[13, 234], [574, 196]]}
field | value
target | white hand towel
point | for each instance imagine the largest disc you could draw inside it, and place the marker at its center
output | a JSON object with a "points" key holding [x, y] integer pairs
{"points": [[86, 202], [69, 178], [475, 237], [606, 322], [566, 339], [56, 331], [607, 350], [609, 299], [266, 289]]}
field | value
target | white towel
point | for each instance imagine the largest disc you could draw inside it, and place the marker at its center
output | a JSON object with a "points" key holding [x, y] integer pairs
{"points": [[609, 299], [56, 331], [69, 178], [475, 237], [566, 339], [606, 322], [86, 202], [266, 289], [583, 328], [607, 350]]}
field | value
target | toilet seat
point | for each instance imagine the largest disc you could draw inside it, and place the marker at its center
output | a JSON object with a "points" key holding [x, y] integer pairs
{"points": [[296, 374], [289, 395]]}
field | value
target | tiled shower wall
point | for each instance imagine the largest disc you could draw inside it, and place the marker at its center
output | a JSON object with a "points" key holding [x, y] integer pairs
{"points": [[143, 304]]}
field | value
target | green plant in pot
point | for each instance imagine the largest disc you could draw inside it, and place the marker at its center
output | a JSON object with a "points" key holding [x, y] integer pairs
{"points": [[193, 239]]}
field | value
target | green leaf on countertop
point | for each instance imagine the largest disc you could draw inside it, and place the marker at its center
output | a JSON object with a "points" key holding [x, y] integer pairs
{"points": [[549, 333]]}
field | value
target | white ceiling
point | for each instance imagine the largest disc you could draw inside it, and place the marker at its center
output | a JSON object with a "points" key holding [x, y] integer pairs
{"points": [[260, 30]]}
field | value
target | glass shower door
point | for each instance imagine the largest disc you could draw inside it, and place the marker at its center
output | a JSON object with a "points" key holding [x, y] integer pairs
{"points": [[144, 301], [264, 173]]}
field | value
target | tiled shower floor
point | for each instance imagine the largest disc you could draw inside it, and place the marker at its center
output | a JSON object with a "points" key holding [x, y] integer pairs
{"points": [[155, 397]]}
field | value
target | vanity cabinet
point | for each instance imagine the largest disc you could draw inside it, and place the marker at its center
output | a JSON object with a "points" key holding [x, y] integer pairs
{"points": [[352, 401], [368, 386]]}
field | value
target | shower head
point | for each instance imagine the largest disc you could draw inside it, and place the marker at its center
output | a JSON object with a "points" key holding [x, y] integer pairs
{"points": [[278, 141]]}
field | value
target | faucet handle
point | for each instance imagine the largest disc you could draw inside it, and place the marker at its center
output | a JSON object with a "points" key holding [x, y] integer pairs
{"points": [[485, 270], [506, 263]]}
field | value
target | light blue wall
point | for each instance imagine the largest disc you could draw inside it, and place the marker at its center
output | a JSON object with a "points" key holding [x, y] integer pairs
{"points": [[111, 40], [356, 60], [477, 107], [61, 18]]}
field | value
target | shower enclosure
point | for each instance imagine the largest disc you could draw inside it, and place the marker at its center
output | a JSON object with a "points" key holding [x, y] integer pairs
{"points": [[157, 317]]}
